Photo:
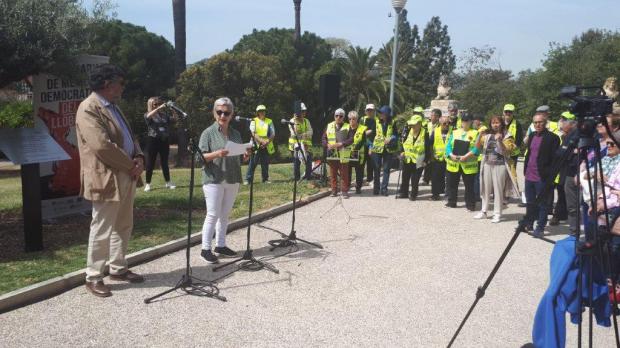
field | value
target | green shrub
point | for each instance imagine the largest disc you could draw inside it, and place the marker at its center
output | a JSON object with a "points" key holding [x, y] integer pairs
{"points": [[16, 114]]}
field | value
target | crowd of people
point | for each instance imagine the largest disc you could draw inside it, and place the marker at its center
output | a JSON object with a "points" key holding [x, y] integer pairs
{"points": [[440, 151]]}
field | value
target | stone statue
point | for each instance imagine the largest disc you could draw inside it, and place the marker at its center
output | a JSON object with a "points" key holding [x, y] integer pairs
{"points": [[611, 88], [443, 89]]}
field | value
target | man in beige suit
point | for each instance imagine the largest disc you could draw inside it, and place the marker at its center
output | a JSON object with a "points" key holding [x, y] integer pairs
{"points": [[111, 164]]}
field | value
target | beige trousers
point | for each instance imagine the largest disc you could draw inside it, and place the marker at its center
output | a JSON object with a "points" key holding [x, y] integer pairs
{"points": [[110, 230], [494, 181]]}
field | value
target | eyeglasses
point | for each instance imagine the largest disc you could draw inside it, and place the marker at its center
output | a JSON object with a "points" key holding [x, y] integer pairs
{"points": [[225, 113], [611, 144]]}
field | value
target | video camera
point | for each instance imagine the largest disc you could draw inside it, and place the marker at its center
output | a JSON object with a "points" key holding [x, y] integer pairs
{"points": [[587, 106]]}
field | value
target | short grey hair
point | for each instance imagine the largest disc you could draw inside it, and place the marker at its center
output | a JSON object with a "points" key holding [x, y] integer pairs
{"points": [[352, 113], [339, 111], [224, 101]]}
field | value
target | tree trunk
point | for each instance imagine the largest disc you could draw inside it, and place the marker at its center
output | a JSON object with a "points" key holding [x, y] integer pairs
{"points": [[178, 15]]}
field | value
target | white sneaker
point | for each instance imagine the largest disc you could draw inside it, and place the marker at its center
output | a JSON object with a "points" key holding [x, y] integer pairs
{"points": [[481, 215], [496, 219], [147, 187], [171, 185]]}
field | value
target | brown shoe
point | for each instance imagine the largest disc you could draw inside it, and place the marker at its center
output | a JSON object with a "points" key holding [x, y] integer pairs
{"points": [[98, 288], [128, 276]]}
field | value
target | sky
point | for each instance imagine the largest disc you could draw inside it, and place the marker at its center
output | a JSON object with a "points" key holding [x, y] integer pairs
{"points": [[520, 30]]}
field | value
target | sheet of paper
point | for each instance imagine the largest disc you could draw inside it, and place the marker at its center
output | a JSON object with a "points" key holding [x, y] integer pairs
{"points": [[236, 149]]}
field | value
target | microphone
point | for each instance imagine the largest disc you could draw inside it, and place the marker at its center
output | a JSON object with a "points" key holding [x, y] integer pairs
{"points": [[291, 123], [240, 119], [171, 105]]}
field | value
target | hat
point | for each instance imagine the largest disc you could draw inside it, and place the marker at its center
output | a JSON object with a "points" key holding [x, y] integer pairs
{"points": [[465, 117], [509, 107], [418, 109], [415, 119], [370, 107], [261, 108], [303, 107], [385, 110], [543, 108], [339, 111], [567, 115]]}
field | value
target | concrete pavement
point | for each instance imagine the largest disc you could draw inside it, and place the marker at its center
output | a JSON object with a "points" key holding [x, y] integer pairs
{"points": [[393, 273]]}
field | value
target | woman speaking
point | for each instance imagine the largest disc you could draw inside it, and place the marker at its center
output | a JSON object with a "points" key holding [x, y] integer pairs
{"points": [[221, 177]]}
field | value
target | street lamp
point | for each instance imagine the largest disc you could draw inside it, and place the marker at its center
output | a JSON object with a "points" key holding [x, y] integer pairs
{"points": [[398, 6], [297, 34]]}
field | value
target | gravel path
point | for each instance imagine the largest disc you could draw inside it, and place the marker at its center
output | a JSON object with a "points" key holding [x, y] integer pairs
{"points": [[393, 273]]}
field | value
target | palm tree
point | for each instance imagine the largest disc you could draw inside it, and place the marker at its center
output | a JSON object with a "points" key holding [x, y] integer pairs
{"points": [[178, 16], [361, 81]]}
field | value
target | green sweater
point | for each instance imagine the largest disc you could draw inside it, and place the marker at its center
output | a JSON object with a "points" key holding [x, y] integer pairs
{"points": [[226, 169]]}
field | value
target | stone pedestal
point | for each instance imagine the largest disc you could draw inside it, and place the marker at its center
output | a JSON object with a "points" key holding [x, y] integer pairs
{"points": [[441, 104]]}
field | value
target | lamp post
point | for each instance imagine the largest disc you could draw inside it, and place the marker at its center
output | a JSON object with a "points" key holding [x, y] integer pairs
{"points": [[297, 20], [398, 7]]}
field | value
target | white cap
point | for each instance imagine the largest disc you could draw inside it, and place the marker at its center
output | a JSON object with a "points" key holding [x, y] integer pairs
{"points": [[370, 107], [303, 107]]}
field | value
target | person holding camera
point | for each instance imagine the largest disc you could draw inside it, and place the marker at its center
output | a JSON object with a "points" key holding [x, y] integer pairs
{"points": [[158, 129], [496, 147]]}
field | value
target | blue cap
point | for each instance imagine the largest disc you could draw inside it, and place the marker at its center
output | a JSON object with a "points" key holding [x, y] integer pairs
{"points": [[385, 110]]}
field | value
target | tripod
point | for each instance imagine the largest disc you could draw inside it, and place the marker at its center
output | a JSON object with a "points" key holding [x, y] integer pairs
{"points": [[582, 249], [188, 283], [292, 239], [249, 261]]}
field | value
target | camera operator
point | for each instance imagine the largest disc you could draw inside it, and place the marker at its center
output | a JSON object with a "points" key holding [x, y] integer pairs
{"points": [[570, 170]]}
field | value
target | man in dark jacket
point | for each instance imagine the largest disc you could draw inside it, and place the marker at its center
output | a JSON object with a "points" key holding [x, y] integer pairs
{"points": [[541, 148]]}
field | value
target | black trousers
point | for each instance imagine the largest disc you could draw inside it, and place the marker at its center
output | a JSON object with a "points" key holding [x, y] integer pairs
{"points": [[297, 164], [560, 210], [262, 157], [411, 176], [428, 172], [156, 146], [453, 187], [438, 183], [359, 173], [370, 167]]}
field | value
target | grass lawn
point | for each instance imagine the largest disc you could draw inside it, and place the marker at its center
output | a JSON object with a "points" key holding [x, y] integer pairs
{"points": [[159, 217]]}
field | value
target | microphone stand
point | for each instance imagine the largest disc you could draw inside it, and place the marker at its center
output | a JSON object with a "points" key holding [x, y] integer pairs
{"points": [[188, 283], [292, 239], [250, 262]]}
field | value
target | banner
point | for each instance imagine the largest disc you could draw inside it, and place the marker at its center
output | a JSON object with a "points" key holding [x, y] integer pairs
{"points": [[55, 103]]}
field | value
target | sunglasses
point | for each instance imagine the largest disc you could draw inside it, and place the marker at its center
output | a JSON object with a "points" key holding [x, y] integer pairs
{"points": [[611, 144], [225, 113]]}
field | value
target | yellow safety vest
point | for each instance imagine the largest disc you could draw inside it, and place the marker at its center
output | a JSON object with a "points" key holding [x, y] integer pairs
{"points": [[344, 153], [471, 165], [262, 129], [414, 149], [512, 129], [303, 127], [357, 138], [439, 145], [378, 144]]}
